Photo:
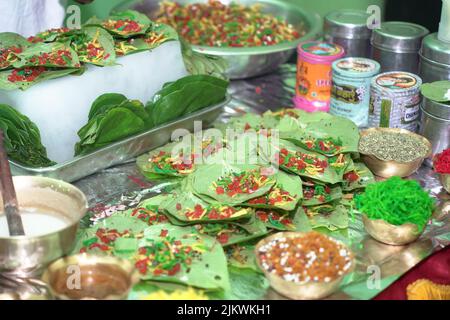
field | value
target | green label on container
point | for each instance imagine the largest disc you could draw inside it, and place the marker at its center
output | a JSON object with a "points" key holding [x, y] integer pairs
{"points": [[345, 93]]}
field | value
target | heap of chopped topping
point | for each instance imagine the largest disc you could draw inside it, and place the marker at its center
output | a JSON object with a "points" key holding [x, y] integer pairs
{"points": [[43, 36], [312, 257], [165, 256], [164, 162], [275, 219], [240, 183], [7, 56], [149, 216], [275, 197], [211, 212], [319, 192], [123, 27], [441, 162], [327, 145], [59, 57], [27, 74], [218, 25], [104, 240], [301, 162]]}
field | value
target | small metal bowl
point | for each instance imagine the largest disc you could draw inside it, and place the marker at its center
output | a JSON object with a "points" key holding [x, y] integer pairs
{"points": [[90, 277], [445, 181], [255, 61], [387, 169], [27, 255], [298, 291], [387, 233]]}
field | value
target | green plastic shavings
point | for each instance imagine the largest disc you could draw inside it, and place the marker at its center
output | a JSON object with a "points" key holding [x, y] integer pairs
{"points": [[396, 201]]}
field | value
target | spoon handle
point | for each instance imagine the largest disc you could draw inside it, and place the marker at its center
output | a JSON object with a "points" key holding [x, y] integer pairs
{"points": [[9, 194]]}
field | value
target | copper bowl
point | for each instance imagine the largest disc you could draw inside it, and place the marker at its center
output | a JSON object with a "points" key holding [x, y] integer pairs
{"points": [[390, 168], [387, 233], [299, 291], [90, 277], [445, 181]]}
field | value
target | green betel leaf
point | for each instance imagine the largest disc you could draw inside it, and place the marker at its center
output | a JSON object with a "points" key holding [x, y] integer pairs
{"points": [[22, 139], [123, 24], [24, 78], [437, 91], [200, 261], [232, 184], [52, 35], [242, 256], [285, 195], [55, 55], [11, 44], [358, 178], [94, 45], [283, 220], [186, 207], [105, 101], [332, 216], [316, 194]]}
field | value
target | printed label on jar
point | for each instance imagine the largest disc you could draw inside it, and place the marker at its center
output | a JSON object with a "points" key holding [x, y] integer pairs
{"points": [[410, 113], [313, 81], [345, 93]]}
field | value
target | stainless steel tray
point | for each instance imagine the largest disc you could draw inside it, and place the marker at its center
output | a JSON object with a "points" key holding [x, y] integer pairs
{"points": [[121, 151]]}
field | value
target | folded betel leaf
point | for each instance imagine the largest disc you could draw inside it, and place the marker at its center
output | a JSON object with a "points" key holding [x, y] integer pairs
{"points": [[123, 24], [185, 95], [24, 78], [315, 194], [284, 220], [151, 215], [113, 124], [11, 44], [187, 207], [285, 194], [22, 139], [251, 121], [358, 178], [437, 91], [51, 35], [332, 216], [105, 101], [302, 162], [232, 233], [341, 163], [101, 238], [56, 55], [233, 184], [94, 45], [242, 256], [174, 254], [155, 36], [281, 113]]}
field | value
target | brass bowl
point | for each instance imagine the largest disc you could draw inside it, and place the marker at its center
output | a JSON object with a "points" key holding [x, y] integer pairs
{"points": [[387, 169], [90, 277], [387, 233], [298, 291], [28, 255], [445, 181]]}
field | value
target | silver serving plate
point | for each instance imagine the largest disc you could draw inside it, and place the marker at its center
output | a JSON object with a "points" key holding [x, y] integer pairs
{"points": [[121, 151], [255, 61]]}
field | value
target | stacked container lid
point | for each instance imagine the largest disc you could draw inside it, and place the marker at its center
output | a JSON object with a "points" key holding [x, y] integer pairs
{"points": [[396, 46], [348, 28], [434, 59]]}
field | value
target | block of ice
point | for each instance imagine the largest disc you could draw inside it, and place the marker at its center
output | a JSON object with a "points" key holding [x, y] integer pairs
{"points": [[60, 107]]}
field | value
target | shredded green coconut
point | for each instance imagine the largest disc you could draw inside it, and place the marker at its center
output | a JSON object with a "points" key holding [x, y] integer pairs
{"points": [[396, 201]]}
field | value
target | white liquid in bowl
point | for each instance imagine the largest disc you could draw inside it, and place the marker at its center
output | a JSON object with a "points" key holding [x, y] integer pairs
{"points": [[36, 223]]}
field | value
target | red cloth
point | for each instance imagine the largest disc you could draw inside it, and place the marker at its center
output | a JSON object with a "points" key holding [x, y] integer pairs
{"points": [[435, 268]]}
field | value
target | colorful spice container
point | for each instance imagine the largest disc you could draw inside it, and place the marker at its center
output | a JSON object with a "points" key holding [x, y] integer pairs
{"points": [[350, 94], [395, 100], [313, 86]]}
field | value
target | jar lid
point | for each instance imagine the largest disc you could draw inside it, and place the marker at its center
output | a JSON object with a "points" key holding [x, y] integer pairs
{"points": [[347, 24], [321, 51], [356, 67], [437, 109], [399, 36], [397, 82], [435, 49]]}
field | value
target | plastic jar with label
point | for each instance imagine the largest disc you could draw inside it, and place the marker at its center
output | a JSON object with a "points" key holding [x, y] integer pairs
{"points": [[313, 85], [350, 93]]}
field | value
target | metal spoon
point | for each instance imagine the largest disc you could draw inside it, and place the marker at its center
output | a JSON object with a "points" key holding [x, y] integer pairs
{"points": [[10, 204]]}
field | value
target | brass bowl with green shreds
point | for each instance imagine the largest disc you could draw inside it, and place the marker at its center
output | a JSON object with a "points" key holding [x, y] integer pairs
{"points": [[445, 181], [246, 62], [304, 290], [387, 233], [390, 168]]}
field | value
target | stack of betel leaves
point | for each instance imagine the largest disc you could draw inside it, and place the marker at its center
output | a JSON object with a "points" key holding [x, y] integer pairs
{"points": [[303, 183], [58, 52]]}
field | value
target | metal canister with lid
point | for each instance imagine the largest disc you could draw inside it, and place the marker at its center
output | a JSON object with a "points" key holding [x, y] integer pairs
{"points": [[395, 100], [348, 28], [396, 45], [434, 59], [313, 85], [350, 93], [435, 124]]}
